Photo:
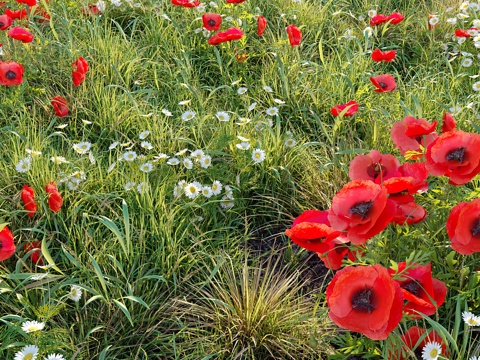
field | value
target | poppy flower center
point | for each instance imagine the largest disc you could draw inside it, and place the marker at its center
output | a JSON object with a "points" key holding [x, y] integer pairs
{"points": [[1, 24], [457, 154], [412, 287], [475, 229], [361, 208], [362, 301], [382, 84], [10, 75], [211, 22], [1, 244], [376, 169]]}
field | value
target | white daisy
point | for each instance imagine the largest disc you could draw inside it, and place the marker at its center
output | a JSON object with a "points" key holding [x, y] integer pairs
{"points": [[111, 167], [213, 4], [29, 352], [367, 32], [455, 110], [200, 8], [188, 115], [178, 190], [452, 21], [197, 155], [444, 47], [184, 102], [252, 106], [475, 358], [464, 5], [222, 116], [75, 293], [101, 6], [242, 138], [191, 190], [73, 185], [31, 326], [476, 23], [467, 62], [290, 142], [433, 20], [474, 6], [461, 40], [59, 160], [243, 146], [33, 153], [476, 86], [24, 165], [228, 192], [129, 185], [129, 155], [146, 145], [207, 191], [54, 357], [82, 147], [142, 187], [143, 135], [272, 111], [471, 319], [431, 351], [242, 90], [173, 161], [146, 167], [166, 112], [63, 126], [268, 89], [206, 161], [258, 155], [160, 156], [226, 203], [113, 145], [243, 121], [278, 101], [187, 163], [217, 187], [371, 13]]}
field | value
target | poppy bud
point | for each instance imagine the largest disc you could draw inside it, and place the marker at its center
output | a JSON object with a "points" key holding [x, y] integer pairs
{"points": [[28, 198]]}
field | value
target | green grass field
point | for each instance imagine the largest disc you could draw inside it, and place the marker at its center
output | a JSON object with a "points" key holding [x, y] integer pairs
{"points": [[181, 165]]}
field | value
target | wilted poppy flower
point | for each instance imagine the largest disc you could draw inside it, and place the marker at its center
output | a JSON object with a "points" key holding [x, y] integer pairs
{"points": [[211, 22], [463, 227], [228, 35], [5, 22], [21, 34], [410, 133], [11, 73], [60, 106], [186, 3], [378, 19], [240, 55], [80, 71], [454, 154], [375, 166], [351, 105], [17, 14], [55, 200], [462, 33], [261, 25], [7, 245], [35, 256], [449, 123], [28, 2], [423, 293], [294, 35], [395, 18], [411, 343], [384, 83], [42, 15], [362, 209], [387, 56], [365, 299], [28, 198]]}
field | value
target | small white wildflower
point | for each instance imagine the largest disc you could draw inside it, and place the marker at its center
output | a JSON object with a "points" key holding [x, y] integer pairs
{"points": [[54, 357], [160, 156], [433, 21], [200, 8], [243, 146], [258, 155], [146, 145], [116, 2], [181, 152], [278, 101], [146, 167], [59, 160], [290, 143], [431, 351], [213, 4], [474, 6], [243, 121], [206, 161], [24, 165], [75, 293], [272, 111], [101, 6], [206, 33], [476, 86], [166, 112], [452, 21], [142, 187], [268, 89], [129, 155], [455, 110], [31, 326], [143, 135], [187, 163], [113, 145], [217, 187], [73, 185], [222, 116], [461, 40], [191, 190], [82, 147], [184, 102], [464, 5], [227, 203], [173, 161], [62, 126], [129, 185], [462, 16], [207, 191], [252, 106], [33, 153], [371, 13], [242, 90], [471, 319], [188, 115], [197, 155], [367, 32], [467, 62], [444, 47], [29, 352]]}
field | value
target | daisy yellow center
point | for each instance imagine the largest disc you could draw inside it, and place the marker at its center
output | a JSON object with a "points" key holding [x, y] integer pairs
{"points": [[28, 357], [473, 322], [257, 156], [214, 187], [433, 353], [192, 189], [189, 116], [74, 292], [32, 328]]}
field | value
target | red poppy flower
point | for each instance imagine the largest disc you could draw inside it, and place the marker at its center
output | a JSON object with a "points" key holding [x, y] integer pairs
{"points": [[261, 25], [235, 1], [35, 256], [423, 293], [21, 34], [462, 33], [7, 245], [463, 227], [408, 213], [449, 123], [365, 299], [240, 55], [395, 18], [212, 22], [2, 3], [228, 35], [374, 166], [455, 154], [11, 73], [55, 200], [28, 198], [17, 14], [80, 71], [186, 3], [42, 15], [411, 343], [60, 106], [333, 258], [402, 187], [5, 22], [410, 133], [351, 105], [384, 83], [416, 170], [387, 56], [294, 35], [362, 209], [28, 2], [378, 19]]}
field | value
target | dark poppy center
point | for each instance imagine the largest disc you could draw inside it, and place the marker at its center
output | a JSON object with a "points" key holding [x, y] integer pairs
{"points": [[457, 154], [382, 84], [211, 22], [10, 75], [475, 228], [1, 245], [376, 169], [361, 208], [362, 301], [1, 24], [412, 287], [418, 353]]}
